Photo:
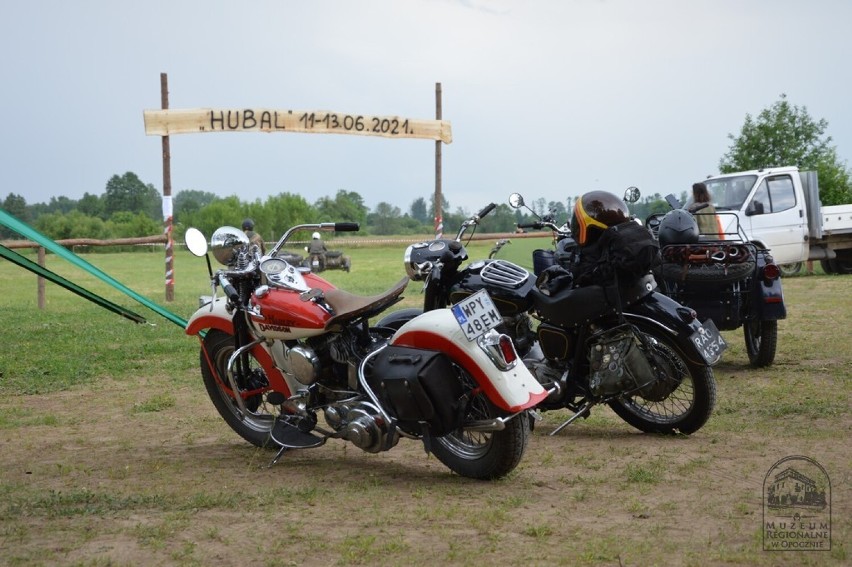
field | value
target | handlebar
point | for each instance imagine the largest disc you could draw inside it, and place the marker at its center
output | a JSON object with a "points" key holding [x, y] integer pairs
{"points": [[347, 227], [488, 208], [474, 220], [324, 226], [538, 225], [229, 289]]}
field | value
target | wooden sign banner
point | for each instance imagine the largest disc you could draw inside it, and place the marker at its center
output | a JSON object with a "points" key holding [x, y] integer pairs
{"points": [[199, 120]]}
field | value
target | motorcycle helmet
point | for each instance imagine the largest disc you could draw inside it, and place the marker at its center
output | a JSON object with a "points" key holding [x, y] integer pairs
{"points": [[315, 236], [248, 224], [678, 227], [594, 212]]}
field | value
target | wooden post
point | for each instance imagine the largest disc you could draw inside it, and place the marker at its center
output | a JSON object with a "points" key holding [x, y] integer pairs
{"points": [[40, 284], [439, 220], [167, 196]]}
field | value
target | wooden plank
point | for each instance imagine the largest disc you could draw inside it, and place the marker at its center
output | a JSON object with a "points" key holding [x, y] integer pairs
{"points": [[199, 120]]}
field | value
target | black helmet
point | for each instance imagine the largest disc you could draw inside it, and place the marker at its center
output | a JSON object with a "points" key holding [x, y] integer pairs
{"points": [[248, 224], [678, 227], [595, 212]]}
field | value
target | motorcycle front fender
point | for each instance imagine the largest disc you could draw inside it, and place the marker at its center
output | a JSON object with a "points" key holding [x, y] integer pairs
{"points": [[511, 390], [218, 318], [206, 317], [664, 313]]}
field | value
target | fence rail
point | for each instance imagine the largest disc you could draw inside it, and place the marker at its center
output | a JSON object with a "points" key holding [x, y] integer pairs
{"points": [[160, 239]]}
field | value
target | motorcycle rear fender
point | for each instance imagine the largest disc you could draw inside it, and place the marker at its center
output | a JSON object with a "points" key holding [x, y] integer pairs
{"points": [[511, 390], [661, 311], [398, 318], [769, 304], [218, 318], [768, 298]]}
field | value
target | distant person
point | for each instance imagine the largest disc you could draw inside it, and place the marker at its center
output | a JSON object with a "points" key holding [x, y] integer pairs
{"points": [[316, 246], [254, 238], [704, 211]]}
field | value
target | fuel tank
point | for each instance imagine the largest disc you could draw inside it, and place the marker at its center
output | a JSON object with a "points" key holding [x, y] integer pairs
{"points": [[508, 284], [283, 315]]}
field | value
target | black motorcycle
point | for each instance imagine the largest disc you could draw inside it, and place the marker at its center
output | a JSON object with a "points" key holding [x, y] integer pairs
{"points": [[620, 343], [723, 276]]}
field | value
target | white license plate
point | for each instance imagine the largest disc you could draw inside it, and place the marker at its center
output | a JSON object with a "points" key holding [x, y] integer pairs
{"points": [[476, 314], [709, 342]]}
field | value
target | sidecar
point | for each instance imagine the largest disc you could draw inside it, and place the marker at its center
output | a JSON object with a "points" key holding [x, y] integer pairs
{"points": [[726, 278], [329, 260]]}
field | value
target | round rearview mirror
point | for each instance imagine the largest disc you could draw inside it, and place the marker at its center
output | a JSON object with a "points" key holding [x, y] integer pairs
{"points": [[195, 241], [632, 194], [225, 243], [516, 201]]}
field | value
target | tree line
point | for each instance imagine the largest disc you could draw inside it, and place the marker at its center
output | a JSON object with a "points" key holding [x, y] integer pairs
{"points": [[131, 208], [782, 134]]}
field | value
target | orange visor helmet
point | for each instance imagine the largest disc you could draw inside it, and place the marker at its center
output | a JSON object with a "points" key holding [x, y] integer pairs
{"points": [[594, 212]]}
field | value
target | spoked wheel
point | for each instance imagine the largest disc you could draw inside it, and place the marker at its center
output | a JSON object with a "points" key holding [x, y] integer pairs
{"points": [[681, 400], [761, 338], [260, 415], [483, 455]]}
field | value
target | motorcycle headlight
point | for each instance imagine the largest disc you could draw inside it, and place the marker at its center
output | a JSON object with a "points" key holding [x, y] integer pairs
{"points": [[417, 266], [226, 242]]}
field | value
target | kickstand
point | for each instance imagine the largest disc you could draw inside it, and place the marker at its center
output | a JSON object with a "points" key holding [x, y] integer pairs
{"points": [[582, 412], [277, 457]]}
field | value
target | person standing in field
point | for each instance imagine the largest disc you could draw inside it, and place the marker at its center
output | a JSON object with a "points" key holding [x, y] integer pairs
{"points": [[254, 238], [704, 211]]}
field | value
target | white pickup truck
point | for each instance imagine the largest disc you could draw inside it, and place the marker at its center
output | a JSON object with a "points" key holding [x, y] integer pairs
{"points": [[779, 209]]}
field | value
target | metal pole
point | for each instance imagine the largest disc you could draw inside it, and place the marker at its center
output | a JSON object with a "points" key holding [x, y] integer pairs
{"points": [[167, 196], [439, 220], [40, 284]]}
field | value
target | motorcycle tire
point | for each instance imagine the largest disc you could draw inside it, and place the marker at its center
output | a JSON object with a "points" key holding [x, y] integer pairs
{"points": [[682, 399], [260, 417], [761, 339], [483, 455]]}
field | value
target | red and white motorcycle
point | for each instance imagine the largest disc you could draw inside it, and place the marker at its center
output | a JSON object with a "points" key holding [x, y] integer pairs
{"points": [[284, 347]]}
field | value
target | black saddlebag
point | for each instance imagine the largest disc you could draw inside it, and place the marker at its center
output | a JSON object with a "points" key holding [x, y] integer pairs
{"points": [[418, 387]]}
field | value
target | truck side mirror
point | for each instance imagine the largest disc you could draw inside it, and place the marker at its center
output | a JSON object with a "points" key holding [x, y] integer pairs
{"points": [[754, 208]]}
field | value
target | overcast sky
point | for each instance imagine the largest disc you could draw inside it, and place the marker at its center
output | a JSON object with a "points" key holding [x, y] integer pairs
{"points": [[549, 98]]}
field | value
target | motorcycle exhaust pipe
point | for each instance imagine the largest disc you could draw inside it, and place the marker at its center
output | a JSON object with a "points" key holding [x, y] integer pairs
{"points": [[496, 424], [486, 425]]}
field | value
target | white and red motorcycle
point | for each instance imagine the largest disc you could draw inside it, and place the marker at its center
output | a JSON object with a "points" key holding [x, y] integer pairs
{"points": [[284, 347]]}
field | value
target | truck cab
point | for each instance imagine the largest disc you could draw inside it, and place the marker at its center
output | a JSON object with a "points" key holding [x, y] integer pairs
{"points": [[779, 209], [771, 209]]}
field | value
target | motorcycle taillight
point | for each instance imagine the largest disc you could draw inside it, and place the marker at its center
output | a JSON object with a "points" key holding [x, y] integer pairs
{"points": [[507, 349], [771, 272], [499, 349]]}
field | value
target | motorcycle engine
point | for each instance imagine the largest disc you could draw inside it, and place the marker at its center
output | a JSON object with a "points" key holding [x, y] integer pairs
{"points": [[361, 423], [300, 362]]}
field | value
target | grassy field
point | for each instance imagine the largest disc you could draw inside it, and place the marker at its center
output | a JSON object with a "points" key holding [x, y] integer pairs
{"points": [[112, 454]]}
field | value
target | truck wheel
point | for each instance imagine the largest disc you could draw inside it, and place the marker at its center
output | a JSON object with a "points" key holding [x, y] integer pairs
{"points": [[828, 266], [761, 338], [788, 270], [843, 262]]}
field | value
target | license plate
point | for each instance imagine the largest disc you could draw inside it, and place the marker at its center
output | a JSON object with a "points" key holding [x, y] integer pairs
{"points": [[709, 342], [476, 314]]}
